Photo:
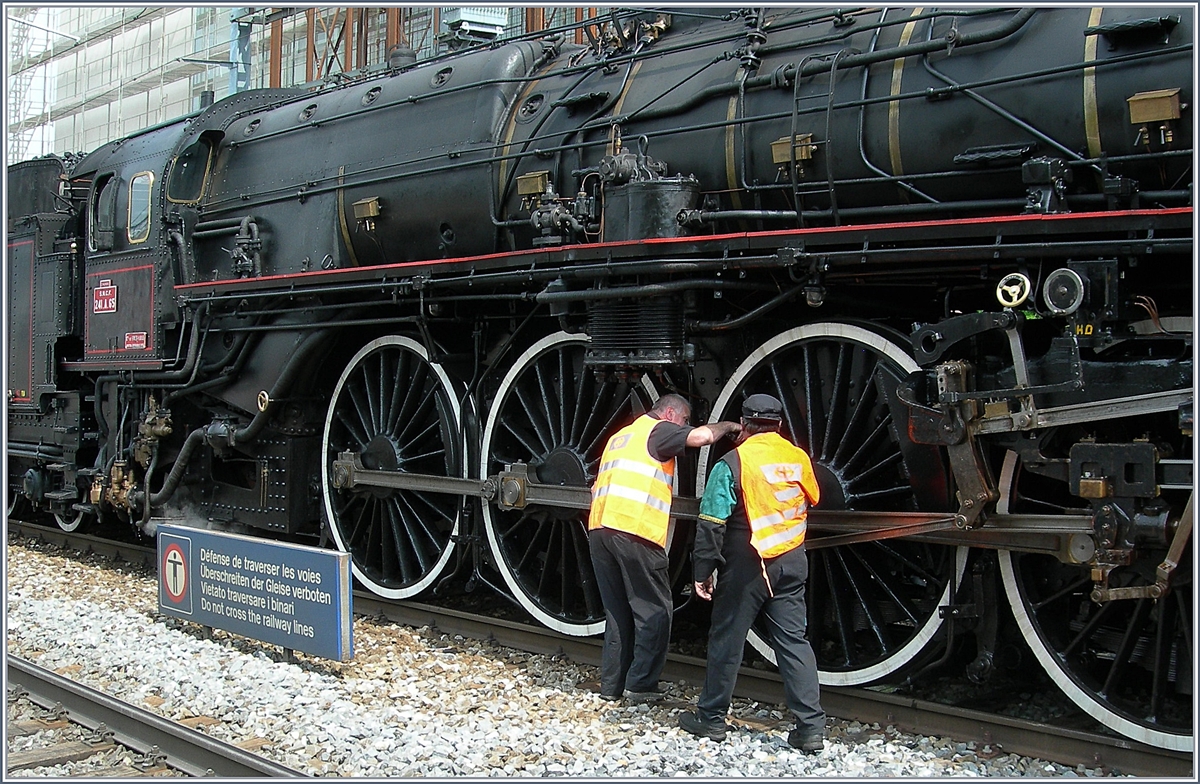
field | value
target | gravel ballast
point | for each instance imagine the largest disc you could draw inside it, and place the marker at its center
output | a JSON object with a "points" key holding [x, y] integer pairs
{"points": [[415, 702]]}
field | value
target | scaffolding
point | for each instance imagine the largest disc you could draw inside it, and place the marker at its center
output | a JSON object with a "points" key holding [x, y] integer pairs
{"points": [[112, 71]]}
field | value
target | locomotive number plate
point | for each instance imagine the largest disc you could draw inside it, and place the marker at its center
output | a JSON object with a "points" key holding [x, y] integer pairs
{"points": [[135, 341], [104, 298]]}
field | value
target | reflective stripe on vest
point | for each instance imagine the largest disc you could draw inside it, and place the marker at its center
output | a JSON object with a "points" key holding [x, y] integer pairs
{"points": [[777, 482], [632, 492]]}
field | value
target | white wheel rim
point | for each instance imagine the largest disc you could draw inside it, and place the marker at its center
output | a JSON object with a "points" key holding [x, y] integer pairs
{"points": [[510, 578], [1049, 659], [69, 524], [849, 332], [437, 569]]}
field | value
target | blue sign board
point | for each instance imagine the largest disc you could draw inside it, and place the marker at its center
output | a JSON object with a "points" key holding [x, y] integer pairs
{"points": [[284, 594]]}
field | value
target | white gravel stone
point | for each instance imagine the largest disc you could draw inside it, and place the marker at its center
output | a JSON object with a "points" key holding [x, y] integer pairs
{"points": [[414, 702]]}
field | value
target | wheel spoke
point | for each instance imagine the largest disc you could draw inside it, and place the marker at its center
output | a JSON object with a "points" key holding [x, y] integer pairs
{"points": [[536, 417], [522, 436], [391, 414], [843, 623], [550, 405], [620, 410], [357, 434], [868, 607], [394, 538], [857, 421], [888, 462], [884, 585], [1133, 631], [841, 383]]}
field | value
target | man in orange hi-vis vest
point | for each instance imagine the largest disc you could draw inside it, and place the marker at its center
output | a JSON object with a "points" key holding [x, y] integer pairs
{"points": [[631, 505], [753, 519]]}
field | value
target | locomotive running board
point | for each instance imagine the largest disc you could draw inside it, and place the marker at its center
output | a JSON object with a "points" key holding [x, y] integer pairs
{"points": [[1069, 537]]}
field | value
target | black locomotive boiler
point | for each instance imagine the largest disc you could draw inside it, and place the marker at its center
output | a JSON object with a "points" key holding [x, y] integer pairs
{"points": [[401, 314]]}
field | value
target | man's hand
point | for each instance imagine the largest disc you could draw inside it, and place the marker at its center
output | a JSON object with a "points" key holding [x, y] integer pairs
{"points": [[711, 434], [704, 589]]}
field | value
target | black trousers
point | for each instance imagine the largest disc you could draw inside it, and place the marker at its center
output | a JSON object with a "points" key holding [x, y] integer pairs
{"points": [[634, 584], [740, 596]]}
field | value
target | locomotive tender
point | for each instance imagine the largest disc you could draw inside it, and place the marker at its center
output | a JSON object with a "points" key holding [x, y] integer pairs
{"points": [[402, 313]]}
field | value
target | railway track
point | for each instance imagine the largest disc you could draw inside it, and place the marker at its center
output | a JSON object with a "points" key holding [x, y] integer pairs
{"points": [[1003, 734], [160, 742]]}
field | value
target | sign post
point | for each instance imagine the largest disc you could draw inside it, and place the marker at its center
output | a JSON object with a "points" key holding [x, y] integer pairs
{"points": [[289, 595]]}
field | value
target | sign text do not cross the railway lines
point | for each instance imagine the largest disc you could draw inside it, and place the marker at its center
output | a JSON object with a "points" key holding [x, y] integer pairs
{"points": [[284, 594]]}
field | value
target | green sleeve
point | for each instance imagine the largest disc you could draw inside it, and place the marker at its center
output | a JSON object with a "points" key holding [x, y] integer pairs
{"points": [[717, 503]]}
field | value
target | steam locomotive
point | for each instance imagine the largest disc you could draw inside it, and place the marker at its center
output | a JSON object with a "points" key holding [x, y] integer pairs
{"points": [[401, 314]]}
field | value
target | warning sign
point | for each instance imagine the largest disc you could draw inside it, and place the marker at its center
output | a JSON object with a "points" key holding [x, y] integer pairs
{"points": [[175, 555], [104, 297], [290, 595]]}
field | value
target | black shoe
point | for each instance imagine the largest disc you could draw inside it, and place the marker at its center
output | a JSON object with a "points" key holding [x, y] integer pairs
{"points": [[806, 741], [641, 697], [609, 697], [713, 730]]}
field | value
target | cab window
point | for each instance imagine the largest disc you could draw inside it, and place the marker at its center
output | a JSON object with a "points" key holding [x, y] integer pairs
{"points": [[139, 207], [104, 210], [185, 183]]}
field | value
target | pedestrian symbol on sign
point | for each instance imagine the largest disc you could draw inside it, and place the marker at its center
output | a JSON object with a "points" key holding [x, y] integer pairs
{"points": [[175, 574], [173, 579]]}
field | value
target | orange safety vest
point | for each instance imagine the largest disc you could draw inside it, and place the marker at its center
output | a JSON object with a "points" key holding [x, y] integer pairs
{"points": [[777, 508], [632, 492]]}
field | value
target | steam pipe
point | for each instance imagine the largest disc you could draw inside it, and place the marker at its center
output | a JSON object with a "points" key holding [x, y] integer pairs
{"points": [[745, 318], [181, 460], [282, 384]]}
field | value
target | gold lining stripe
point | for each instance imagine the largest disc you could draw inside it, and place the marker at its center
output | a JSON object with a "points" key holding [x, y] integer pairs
{"points": [[509, 129], [341, 208], [1091, 113], [730, 167], [894, 106], [620, 104]]}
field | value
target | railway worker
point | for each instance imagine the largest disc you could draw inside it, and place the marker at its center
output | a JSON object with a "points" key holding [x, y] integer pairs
{"points": [[630, 512], [753, 517]]}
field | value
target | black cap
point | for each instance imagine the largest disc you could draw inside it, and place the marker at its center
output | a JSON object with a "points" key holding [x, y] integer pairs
{"points": [[762, 407]]}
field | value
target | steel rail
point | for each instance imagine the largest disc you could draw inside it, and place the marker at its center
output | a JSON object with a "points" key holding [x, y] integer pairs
{"points": [[1013, 736], [141, 555], [187, 750]]}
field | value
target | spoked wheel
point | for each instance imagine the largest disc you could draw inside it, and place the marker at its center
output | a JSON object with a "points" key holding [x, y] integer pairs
{"points": [[551, 413], [1127, 663], [71, 521], [872, 607], [397, 410], [17, 505]]}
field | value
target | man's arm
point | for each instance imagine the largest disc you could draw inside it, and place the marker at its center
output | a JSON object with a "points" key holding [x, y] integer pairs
{"points": [[715, 508], [711, 434]]}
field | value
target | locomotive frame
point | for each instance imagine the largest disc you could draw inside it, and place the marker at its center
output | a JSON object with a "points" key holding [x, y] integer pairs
{"points": [[284, 315]]}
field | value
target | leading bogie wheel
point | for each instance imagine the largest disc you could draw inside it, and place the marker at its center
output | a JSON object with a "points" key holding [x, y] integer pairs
{"points": [[398, 411], [873, 606], [70, 521]]}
